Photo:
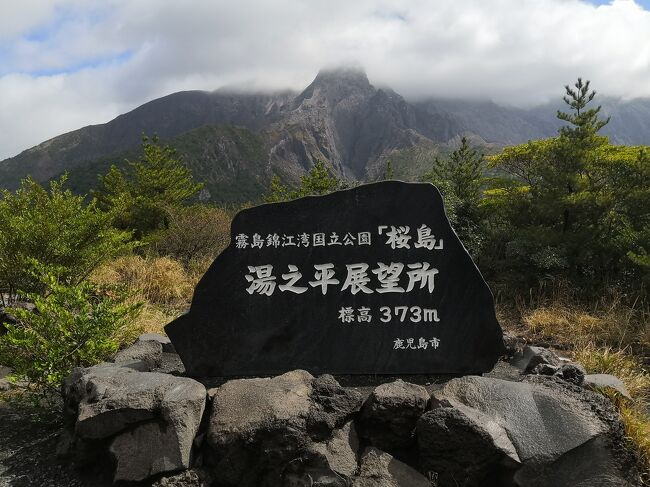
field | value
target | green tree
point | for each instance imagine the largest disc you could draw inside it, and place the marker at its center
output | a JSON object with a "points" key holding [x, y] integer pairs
{"points": [[460, 178], [139, 196], [576, 206], [53, 228], [584, 123], [318, 181]]}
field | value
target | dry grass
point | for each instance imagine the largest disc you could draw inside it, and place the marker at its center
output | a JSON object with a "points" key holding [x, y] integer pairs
{"points": [[637, 430], [157, 280], [623, 365], [635, 413], [162, 284], [576, 327], [571, 325]]}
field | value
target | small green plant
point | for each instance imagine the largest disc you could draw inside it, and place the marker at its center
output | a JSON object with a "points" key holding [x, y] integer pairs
{"points": [[72, 325]]}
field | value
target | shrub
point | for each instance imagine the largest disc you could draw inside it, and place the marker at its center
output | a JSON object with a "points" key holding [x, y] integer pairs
{"points": [[53, 228], [194, 233], [72, 325]]}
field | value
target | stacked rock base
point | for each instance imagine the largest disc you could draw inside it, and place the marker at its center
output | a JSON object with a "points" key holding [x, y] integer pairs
{"points": [[153, 428]]}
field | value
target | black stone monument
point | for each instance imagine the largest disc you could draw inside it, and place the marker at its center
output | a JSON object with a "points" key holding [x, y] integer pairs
{"points": [[370, 280]]}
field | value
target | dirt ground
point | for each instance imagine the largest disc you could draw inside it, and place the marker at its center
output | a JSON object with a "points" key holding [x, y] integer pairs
{"points": [[28, 442]]}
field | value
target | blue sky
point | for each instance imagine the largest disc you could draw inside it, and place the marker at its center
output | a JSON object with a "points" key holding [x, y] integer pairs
{"points": [[644, 3], [65, 64]]}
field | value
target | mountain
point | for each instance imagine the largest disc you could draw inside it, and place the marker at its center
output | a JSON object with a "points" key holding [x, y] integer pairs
{"points": [[502, 125], [235, 142]]}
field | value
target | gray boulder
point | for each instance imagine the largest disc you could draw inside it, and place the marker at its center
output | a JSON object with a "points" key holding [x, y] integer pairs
{"points": [[511, 343], [164, 341], [606, 381], [341, 450], [590, 465], [461, 446], [531, 357], [267, 432], [150, 420], [544, 369], [148, 352], [523, 426], [330, 463], [379, 469], [390, 414], [332, 406]]}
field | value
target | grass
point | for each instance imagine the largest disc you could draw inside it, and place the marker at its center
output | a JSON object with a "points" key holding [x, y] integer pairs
{"points": [[572, 325], [162, 284], [620, 363]]}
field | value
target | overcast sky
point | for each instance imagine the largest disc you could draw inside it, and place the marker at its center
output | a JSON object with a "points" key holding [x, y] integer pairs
{"points": [[65, 64]]}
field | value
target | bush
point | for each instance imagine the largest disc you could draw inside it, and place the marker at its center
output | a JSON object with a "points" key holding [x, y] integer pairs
{"points": [[53, 228], [72, 325], [194, 233]]}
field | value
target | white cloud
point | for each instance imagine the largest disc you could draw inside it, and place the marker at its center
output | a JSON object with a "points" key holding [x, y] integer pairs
{"points": [[517, 51]]}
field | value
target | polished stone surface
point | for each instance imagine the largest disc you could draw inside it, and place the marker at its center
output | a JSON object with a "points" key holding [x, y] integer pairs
{"points": [[249, 319]]}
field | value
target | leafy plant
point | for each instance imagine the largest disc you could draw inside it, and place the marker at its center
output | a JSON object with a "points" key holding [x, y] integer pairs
{"points": [[53, 228], [72, 325]]}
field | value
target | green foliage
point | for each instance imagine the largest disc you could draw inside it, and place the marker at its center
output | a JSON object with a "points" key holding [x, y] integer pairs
{"points": [[73, 325], [576, 206], [318, 181], [584, 123], [53, 228], [460, 180], [138, 198]]}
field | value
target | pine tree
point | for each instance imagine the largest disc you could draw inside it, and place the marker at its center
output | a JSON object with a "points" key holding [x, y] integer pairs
{"points": [[585, 123], [460, 180], [139, 196], [318, 181]]}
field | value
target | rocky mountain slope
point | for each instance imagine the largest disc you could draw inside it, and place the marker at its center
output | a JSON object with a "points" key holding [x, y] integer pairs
{"points": [[235, 142]]}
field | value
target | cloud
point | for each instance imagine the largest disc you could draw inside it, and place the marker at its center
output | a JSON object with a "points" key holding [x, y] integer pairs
{"points": [[69, 63]]}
